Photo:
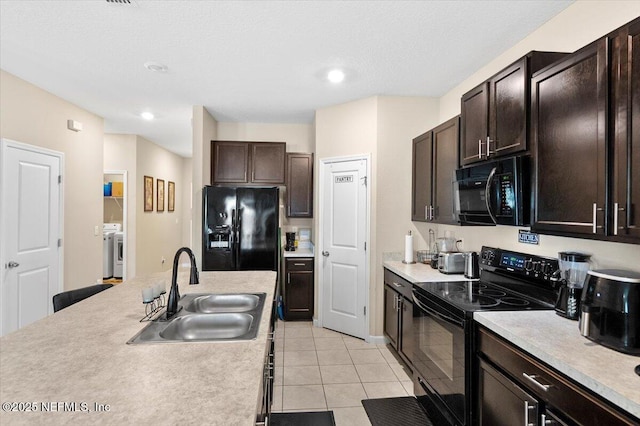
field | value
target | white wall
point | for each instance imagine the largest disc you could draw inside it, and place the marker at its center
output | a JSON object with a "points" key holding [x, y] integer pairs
{"points": [[31, 115]]}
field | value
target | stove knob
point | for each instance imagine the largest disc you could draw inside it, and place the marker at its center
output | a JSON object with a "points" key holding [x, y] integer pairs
{"points": [[537, 267], [547, 269], [528, 265]]}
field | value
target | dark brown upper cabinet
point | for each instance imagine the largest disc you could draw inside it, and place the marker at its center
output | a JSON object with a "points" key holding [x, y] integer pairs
{"points": [[435, 159], [258, 163], [569, 127], [586, 128], [495, 114], [625, 122], [299, 185]]}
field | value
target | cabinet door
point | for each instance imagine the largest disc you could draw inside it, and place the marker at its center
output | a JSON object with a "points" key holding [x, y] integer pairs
{"points": [[569, 104], [508, 110], [267, 163], [625, 104], [421, 179], [299, 185], [406, 341], [502, 402], [229, 162], [445, 163], [299, 295], [391, 315], [475, 124]]}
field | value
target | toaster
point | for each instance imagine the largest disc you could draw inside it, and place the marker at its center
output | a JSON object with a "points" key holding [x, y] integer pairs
{"points": [[451, 263], [610, 309]]}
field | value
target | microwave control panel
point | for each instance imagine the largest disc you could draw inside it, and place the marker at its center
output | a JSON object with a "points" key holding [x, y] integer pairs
{"points": [[527, 265], [507, 196]]}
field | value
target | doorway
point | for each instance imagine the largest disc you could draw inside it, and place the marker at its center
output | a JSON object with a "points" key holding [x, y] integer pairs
{"points": [[31, 225], [115, 227], [344, 235]]}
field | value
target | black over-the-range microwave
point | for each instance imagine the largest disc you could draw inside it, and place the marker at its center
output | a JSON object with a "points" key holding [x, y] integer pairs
{"points": [[495, 192]]}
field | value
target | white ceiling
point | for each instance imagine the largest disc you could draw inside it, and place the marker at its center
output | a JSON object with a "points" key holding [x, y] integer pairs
{"points": [[251, 61]]}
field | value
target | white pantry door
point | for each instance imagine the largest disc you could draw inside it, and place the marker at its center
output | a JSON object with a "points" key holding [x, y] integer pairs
{"points": [[343, 255], [29, 253]]}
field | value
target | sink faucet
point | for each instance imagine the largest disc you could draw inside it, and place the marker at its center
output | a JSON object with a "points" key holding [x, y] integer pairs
{"points": [[174, 295]]}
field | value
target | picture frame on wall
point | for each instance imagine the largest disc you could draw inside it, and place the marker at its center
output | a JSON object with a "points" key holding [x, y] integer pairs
{"points": [[160, 200], [148, 194], [171, 196]]}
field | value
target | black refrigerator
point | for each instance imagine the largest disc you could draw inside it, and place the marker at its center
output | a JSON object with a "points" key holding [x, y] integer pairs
{"points": [[240, 228]]}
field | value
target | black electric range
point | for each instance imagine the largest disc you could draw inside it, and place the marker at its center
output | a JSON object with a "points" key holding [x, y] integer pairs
{"points": [[444, 347]]}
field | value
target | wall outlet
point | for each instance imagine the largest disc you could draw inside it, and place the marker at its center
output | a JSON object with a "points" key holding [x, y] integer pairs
{"points": [[96, 231]]}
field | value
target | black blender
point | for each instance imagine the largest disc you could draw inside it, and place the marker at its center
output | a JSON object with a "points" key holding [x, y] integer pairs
{"points": [[571, 275]]}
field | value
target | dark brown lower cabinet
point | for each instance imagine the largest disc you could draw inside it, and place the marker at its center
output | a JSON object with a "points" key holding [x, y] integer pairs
{"points": [[398, 315], [515, 388], [298, 288]]}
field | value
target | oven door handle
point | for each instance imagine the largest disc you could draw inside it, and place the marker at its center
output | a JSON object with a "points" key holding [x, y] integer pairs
{"points": [[487, 195], [437, 314]]}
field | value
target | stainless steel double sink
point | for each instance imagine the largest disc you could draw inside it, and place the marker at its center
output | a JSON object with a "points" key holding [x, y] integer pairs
{"points": [[207, 318]]}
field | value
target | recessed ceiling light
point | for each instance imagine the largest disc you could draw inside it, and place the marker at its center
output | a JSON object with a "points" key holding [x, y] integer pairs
{"points": [[155, 67], [335, 76], [147, 115]]}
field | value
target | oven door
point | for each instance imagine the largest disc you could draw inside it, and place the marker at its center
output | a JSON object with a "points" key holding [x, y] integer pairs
{"points": [[439, 360]]}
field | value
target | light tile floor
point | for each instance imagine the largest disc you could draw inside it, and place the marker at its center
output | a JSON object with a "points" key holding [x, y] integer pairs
{"points": [[317, 369]]}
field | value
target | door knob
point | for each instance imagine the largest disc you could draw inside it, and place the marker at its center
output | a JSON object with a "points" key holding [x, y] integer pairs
{"points": [[12, 264], [325, 253]]}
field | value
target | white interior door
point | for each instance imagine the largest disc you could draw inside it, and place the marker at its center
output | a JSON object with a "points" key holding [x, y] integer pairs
{"points": [[31, 211], [344, 237]]}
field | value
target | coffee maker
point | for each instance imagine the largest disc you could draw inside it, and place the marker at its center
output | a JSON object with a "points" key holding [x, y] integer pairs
{"points": [[571, 276], [291, 241]]}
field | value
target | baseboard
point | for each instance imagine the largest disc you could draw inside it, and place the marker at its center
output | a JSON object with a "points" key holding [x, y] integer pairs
{"points": [[378, 340]]}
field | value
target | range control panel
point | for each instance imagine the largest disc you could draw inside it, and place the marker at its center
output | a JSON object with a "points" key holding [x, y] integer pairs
{"points": [[525, 265]]}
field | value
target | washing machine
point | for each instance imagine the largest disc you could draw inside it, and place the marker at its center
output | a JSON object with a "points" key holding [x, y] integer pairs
{"points": [[118, 254], [108, 233]]}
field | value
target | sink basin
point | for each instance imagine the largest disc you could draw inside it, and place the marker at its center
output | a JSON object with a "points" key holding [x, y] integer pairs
{"points": [[208, 327], [213, 303], [207, 318]]}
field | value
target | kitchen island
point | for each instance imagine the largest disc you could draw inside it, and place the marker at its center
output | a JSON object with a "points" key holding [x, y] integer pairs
{"points": [[76, 363]]}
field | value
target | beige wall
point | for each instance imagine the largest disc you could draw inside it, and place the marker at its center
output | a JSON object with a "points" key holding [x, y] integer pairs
{"points": [[298, 137], [578, 25], [400, 119], [204, 131], [158, 234], [33, 116], [383, 127], [187, 200], [120, 154], [573, 28]]}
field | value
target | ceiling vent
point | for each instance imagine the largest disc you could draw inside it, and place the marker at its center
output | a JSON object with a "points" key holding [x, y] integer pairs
{"points": [[123, 2]]}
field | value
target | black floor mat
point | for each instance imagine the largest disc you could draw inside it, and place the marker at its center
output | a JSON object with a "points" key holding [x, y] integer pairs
{"points": [[401, 411], [319, 418]]}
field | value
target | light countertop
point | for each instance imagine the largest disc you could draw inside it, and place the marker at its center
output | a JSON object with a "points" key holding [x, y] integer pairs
{"points": [[420, 272], [557, 342], [303, 250], [79, 355]]}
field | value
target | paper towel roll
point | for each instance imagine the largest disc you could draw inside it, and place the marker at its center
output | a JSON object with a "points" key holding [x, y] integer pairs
{"points": [[408, 248]]}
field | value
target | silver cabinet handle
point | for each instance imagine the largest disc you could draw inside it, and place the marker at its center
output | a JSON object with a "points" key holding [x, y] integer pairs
{"points": [[426, 212], [12, 264], [616, 212], [532, 379], [325, 253], [480, 148], [396, 284], [431, 209], [596, 209], [528, 408], [299, 264]]}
